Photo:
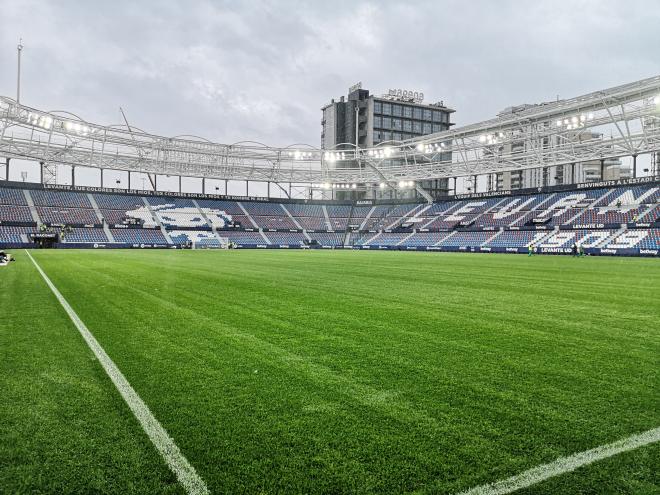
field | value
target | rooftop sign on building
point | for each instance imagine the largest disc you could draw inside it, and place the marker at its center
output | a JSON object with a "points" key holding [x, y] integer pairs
{"points": [[404, 95]]}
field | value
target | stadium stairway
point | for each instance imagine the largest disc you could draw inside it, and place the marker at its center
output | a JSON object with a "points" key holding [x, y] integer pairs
{"points": [[295, 222], [609, 239], [347, 238], [221, 240], [33, 208], [158, 222], [327, 217], [408, 214], [402, 241], [490, 239], [261, 231], [367, 217], [646, 212], [444, 239], [99, 215], [249, 217]]}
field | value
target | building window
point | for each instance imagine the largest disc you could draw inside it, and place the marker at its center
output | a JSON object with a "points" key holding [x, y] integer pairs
{"points": [[378, 137], [378, 107], [387, 123], [407, 112], [417, 127], [378, 121], [428, 115], [437, 127], [417, 113], [396, 124], [387, 109], [407, 125], [437, 116], [396, 110], [386, 135], [396, 136], [427, 128]]}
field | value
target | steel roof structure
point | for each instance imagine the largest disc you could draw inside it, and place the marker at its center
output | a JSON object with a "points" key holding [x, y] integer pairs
{"points": [[611, 123]]}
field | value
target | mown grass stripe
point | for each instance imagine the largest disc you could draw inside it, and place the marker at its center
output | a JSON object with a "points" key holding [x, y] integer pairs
{"points": [[184, 471], [566, 464]]}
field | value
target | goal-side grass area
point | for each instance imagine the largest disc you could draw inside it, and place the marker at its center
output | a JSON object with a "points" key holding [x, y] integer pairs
{"points": [[329, 372]]}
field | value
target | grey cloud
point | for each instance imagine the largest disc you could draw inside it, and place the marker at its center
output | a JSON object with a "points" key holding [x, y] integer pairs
{"points": [[261, 70]]}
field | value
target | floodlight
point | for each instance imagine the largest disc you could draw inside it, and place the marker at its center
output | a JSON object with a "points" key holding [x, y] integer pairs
{"points": [[559, 123], [590, 116], [402, 184], [656, 100], [574, 119], [353, 186], [382, 185], [583, 118], [420, 147], [482, 139]]}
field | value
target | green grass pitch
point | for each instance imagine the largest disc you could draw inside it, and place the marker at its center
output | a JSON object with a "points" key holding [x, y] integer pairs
{"points": [[329, 372]]}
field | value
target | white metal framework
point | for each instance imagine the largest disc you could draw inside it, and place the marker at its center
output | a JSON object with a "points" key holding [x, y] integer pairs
{"points": [[612, 123]]}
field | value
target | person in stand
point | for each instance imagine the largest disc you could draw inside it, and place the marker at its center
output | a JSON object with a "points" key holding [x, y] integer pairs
{"points": [[574, 250], [618, 203]]}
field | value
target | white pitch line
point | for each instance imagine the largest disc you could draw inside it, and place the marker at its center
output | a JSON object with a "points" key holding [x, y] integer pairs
{"points": [[185, 473], [566, 464]]}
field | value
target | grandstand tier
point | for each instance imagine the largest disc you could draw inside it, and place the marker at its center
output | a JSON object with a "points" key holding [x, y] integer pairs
{"points": [[622, 219]]}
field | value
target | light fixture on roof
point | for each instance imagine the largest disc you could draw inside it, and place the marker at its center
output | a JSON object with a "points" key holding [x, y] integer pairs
{"points": [[656, 100], [402, 184], [420, 147], [382, 185]]}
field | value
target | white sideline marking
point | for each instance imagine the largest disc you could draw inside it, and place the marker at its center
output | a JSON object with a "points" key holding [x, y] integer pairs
{"points": [[566, 464], [185, 473]]}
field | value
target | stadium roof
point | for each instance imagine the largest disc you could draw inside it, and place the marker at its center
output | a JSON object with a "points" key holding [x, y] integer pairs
{"points": [[610, 123]]}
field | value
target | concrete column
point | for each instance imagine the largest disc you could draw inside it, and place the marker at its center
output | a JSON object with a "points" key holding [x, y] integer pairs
{"points": [[73, 175], [101, 177], [7, 169], [602, 169], [634, 170]]}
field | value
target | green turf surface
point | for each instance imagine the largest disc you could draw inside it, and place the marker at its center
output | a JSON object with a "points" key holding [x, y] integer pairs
{"points": [[330, 372]]}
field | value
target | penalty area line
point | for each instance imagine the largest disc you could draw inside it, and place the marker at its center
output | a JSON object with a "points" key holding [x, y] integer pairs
{"points": [[566, 464], [185, 473]]}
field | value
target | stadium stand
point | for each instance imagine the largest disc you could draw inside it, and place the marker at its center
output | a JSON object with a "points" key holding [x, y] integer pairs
{"points": [[85, 236], [138, 236], [615, 220]]}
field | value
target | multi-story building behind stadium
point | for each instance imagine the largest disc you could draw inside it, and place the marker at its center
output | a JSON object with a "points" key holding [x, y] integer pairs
{"points": [[367, 120], [579, 172]]}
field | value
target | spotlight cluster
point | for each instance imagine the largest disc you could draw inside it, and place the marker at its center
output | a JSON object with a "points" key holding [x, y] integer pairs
{"points": [[301, 155], [47, 122], [575, 122], [492, 138], [430, 147], [406, 184], [327, 185], [44, 121], [333, 156], [380, 153]]}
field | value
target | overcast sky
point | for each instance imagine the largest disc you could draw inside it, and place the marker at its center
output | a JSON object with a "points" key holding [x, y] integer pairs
{"points": [[261, 70]]}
